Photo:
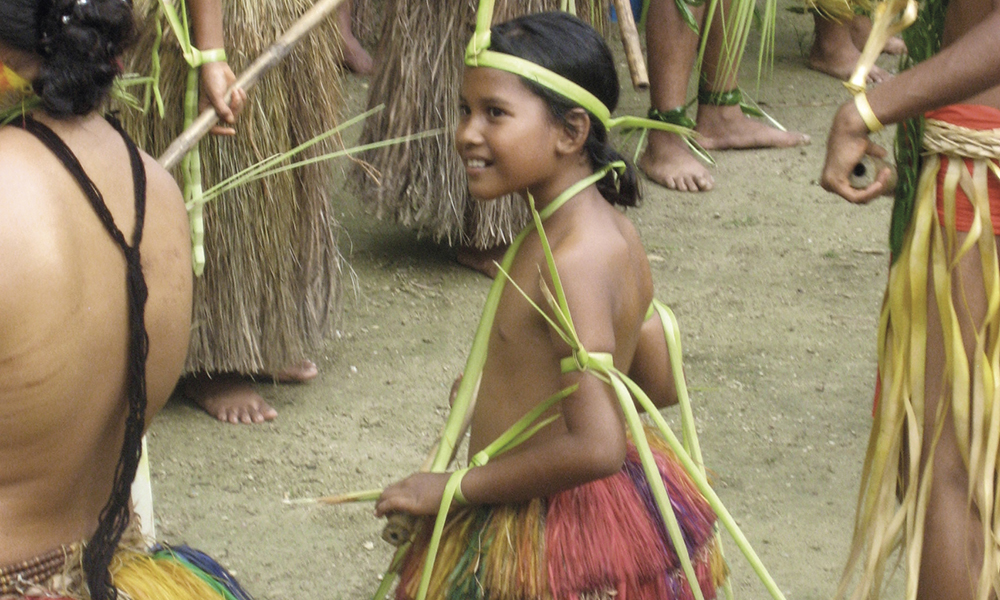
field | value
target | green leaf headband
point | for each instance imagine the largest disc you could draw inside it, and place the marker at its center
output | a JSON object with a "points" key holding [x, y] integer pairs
{"points": [[478, 54]]}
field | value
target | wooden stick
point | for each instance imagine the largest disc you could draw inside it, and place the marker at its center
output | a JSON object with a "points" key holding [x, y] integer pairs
{"points": [[362, 496], [271, 57], [630, 41]]}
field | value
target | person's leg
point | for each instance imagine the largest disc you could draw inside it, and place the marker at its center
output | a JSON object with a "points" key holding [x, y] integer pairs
{"points": [[355, 57], [723, 126], [953, 539], [481, 260], [834, 52], [861, 26], [672, 48]]}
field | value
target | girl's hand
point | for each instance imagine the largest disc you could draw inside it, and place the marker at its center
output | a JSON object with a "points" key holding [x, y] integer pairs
{"points": [[418, 494], [847, 144], [216, 78]]}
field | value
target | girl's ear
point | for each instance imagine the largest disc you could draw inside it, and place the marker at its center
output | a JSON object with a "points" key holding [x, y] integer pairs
{"points": [[575, 131]]}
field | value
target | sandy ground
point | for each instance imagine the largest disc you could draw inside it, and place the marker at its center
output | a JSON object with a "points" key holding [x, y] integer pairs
{"points": [[776, 285]]}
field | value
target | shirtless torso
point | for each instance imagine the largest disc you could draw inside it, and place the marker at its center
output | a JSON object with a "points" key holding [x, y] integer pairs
{"points": [[962, 17], [608, 285], [64, 327]]}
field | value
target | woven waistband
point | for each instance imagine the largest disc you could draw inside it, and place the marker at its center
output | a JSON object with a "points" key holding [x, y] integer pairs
{"points": [[941, 137]]}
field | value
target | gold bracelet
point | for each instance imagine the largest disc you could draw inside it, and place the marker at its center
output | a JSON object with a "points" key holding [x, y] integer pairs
{"points": [[866, 112]]}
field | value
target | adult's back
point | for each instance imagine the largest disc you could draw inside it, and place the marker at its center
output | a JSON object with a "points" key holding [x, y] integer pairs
{"points": [[65, 319], [64, 331]]}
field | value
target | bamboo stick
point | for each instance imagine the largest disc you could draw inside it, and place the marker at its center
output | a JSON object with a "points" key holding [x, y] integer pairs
{"points": [[630, 41], [271, 57], [362, 496]]}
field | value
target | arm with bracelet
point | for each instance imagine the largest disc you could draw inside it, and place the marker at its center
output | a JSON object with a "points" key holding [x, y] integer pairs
{"points": [[967, 70], [216, 76]]}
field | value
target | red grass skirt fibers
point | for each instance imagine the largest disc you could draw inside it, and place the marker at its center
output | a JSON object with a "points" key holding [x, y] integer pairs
{"points": [[604, 539]]}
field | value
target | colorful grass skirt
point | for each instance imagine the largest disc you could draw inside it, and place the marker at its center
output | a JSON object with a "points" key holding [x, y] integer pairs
{"points": [[603, 539]]}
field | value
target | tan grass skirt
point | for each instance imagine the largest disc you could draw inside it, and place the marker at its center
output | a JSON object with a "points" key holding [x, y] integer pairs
{"points": [[271, 288]]}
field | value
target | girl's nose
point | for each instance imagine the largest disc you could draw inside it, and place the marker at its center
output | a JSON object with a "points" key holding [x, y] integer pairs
{"points": [[466, 134]]}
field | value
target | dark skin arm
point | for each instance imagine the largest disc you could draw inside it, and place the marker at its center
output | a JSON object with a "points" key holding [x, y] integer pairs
{"points": [[587, 443], [970, 65], [651, 367], [216, 77]]}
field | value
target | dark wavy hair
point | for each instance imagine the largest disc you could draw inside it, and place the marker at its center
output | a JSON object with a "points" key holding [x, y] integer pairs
{"points": [[569, 47], [79, 42]]}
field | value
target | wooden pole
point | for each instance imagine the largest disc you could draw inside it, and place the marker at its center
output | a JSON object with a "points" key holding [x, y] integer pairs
{"points": [[271, 57], [630, 40]]}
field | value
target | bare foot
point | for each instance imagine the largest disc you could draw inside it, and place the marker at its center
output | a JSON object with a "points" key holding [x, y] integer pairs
{"points": [[228, 397], [727, 128], [668, 161], [484, 261], [297, 373], [861, 27], [357, 58], [833, 52]]}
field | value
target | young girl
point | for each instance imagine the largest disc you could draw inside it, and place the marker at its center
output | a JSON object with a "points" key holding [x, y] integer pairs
{"points": [[565, 511]]}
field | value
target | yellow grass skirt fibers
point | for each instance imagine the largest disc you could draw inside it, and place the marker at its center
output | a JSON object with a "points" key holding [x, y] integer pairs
{"points": [[896, 478], [839, 10], [271, 288], [140, 577]]}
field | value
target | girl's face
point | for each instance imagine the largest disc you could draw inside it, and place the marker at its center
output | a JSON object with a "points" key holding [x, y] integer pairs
{"points": [[506, 135]]}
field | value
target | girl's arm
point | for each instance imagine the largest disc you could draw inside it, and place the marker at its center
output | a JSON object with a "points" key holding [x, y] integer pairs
{"points": [[968, 66], [216, 77], [651, 368], [587, 443]]}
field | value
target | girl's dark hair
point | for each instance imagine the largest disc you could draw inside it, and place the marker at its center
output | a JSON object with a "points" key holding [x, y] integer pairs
{"points": [[569, 47], [79, 42]]}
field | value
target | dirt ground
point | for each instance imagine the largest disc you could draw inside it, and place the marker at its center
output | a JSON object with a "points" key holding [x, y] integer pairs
{"points": [[776, 285]]}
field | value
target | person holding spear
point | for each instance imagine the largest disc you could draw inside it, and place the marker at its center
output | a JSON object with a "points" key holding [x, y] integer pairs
{"points": [[269, 286]]}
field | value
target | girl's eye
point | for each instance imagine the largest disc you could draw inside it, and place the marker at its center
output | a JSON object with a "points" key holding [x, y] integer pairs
{"points": [[463, 110], [495, 112]]}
